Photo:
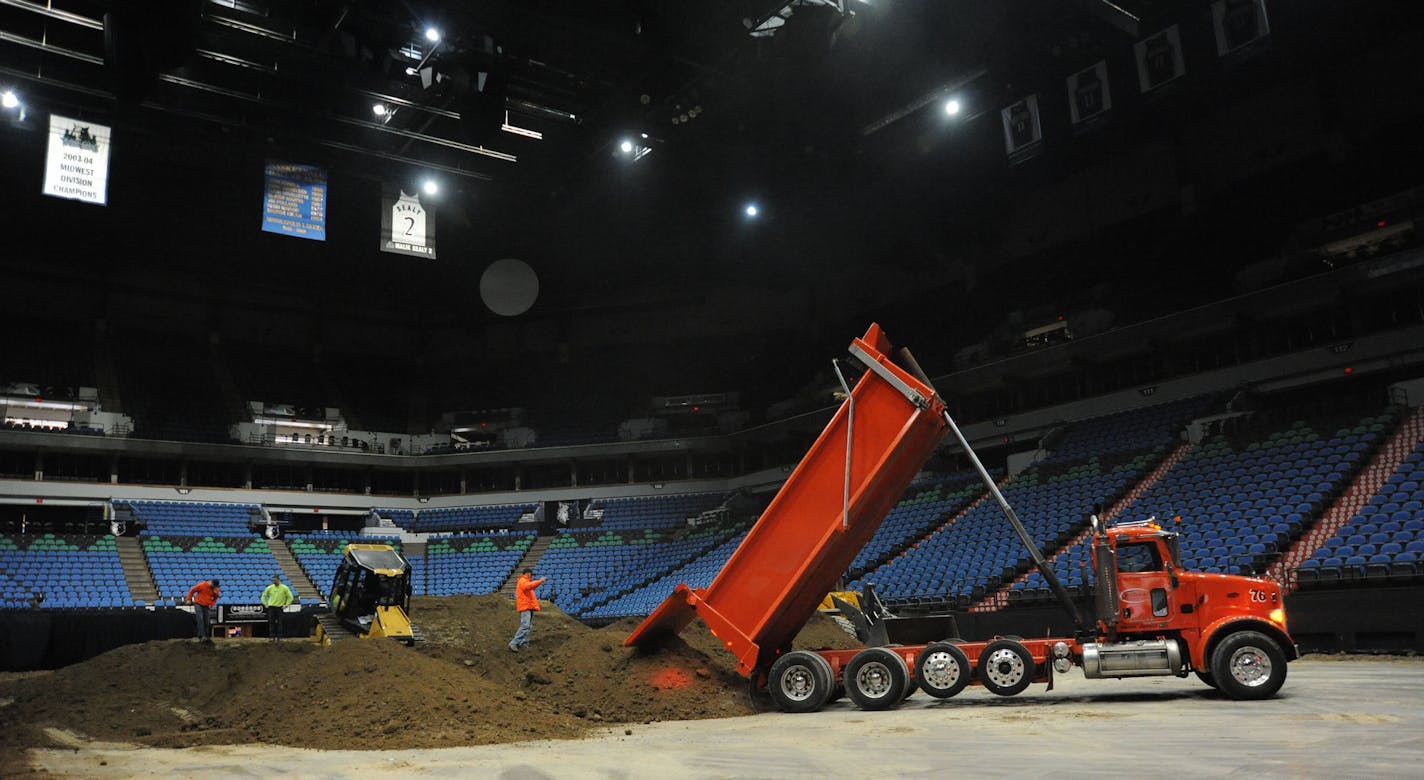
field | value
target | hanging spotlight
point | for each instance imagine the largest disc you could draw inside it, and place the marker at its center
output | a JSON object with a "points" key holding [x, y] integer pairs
{"points": [[432, 35], [430, 187], [626, 146], [379, 109], [951, 107], [752, 210], [9, 99]]}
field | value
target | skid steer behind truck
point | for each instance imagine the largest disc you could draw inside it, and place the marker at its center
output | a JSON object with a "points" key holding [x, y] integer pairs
{"points": [[1153, 617]]}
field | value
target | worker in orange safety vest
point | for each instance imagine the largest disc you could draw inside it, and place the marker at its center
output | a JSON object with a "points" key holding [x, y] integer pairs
{"points": [[527, 603]]}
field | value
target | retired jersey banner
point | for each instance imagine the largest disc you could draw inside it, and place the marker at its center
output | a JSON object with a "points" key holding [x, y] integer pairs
{"points": [[1023, 132], [1159, 59], [294, 201], [1238, 23], [407, 225], [1088, 94], [77, 163]]}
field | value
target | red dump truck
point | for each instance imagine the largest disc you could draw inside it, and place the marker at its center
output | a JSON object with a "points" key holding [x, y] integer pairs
{"points": [[1153, 617]]}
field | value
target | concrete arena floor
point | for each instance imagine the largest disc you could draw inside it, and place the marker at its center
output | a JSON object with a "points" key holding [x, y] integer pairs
{"points": [[1335, 717]]}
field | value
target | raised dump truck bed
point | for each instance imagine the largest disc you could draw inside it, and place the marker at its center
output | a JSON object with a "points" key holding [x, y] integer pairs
{"points": [[827, 510]]}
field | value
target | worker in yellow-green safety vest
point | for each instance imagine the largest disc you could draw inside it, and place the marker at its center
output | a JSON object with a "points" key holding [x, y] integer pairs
{"points": [[275, 598]]}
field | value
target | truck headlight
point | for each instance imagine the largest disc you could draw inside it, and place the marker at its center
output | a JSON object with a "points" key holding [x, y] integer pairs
{"points": [[1278, 616]]}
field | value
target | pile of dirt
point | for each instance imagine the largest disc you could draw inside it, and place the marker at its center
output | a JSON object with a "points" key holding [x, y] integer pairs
{"points": [[463, 686]]}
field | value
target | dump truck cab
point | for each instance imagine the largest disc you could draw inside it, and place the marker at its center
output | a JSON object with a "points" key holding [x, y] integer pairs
{"points": [[1143, 594], [370, 594]]}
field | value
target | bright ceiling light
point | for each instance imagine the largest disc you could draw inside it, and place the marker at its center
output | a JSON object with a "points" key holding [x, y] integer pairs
{"points": [[432, 35], [951, 107], [379, 109], [430, 187], [626, 146], [752, 210], [9, 99]]}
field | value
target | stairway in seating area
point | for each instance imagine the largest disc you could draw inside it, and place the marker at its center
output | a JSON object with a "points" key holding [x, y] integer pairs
{"points": [[304, 588], [1000, 598], [530, 559], [136, 574], [1367, 483]]}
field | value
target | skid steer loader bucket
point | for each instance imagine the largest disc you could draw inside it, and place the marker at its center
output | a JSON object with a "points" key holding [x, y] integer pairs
{"points": [[827, 510]]}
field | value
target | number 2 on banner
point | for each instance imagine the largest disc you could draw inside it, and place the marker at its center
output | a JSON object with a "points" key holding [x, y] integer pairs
{"points": [[409, 226]]}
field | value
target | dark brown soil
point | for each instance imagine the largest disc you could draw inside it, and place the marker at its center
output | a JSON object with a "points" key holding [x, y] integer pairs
{"points": [[462, 687]]}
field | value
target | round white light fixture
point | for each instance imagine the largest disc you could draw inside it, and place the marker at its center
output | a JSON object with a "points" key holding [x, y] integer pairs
{"points": [[627, 147], [379, 109], [9, 100], [430, 187], [951, 107], [751, 210], [432, 35]]}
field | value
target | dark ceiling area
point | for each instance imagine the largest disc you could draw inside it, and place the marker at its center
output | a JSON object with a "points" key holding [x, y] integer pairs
{"points": [[827, 114]]}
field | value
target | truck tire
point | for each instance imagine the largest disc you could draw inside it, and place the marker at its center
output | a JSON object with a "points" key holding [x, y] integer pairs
{"points": [[1207, 678], [942, 670], [1006, 667], [1248, 665], [876, 678], [800, 681]]}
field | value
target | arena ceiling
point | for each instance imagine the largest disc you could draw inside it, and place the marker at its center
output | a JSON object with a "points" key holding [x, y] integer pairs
{"points": [[827, 114]]}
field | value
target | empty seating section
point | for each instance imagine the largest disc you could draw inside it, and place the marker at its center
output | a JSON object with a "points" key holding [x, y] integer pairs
{"points": [[319, 552], [655, 511], [191, 518], [68, 571], [922, 509], [588, 568], [468, 518], [405, 518], [243, 564], [1242, 498], [698, 572], [471, 563], [1383, 543], [1130, 431], [963, 560]]}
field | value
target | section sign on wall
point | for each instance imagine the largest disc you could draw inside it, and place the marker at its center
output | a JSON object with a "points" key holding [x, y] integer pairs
{"points": [[77, 163], [294, 200], [407, 225]]}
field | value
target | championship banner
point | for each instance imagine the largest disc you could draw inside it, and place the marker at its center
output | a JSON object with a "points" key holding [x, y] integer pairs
{"points": [[1159, 59], [1023, 133], [407, 225], [1238, 23], [294, 201], [1089, 96], [77, 163]]}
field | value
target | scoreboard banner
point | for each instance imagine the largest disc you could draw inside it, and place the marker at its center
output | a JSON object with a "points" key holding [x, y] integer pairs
{"points": [[294, 200], [77, 162], [407, 225]]}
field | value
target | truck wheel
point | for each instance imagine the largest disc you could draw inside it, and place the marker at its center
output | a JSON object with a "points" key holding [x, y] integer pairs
{"points": [[1206, 678], [1006, 667], [876, 678], [942, 670], [800, 681], [837, 693], [1248, 665]]}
